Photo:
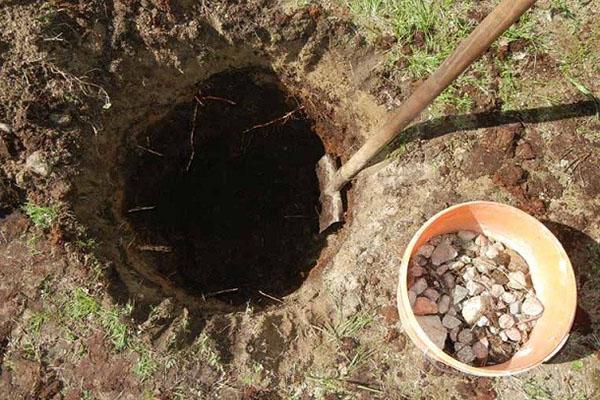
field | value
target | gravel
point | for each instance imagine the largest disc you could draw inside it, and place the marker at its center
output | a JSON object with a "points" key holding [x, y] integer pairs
{"points": [[473, 297]]}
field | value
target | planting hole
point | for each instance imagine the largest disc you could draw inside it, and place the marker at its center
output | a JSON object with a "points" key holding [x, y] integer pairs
{"points": [[237, 218]]}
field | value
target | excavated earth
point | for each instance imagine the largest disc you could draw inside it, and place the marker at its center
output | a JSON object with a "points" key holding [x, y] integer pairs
{"points": [[180, 139]]}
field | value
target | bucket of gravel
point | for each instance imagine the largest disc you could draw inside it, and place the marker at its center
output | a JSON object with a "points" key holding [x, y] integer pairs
{"points": [[543, 305]]}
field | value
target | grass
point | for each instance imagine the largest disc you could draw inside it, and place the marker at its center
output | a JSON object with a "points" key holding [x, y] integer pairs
{"points": [[146, 364], [41, 216], [206, 352], [82, 307], [407, 19]]}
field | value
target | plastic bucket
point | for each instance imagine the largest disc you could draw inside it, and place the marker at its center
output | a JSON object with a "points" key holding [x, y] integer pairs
{"points": [[551, 273]]}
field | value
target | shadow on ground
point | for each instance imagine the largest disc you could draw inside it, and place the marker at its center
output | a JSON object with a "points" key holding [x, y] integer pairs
{"points": [[584, 253], [436, 127]]}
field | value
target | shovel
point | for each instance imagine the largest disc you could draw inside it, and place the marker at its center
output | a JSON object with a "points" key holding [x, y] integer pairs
{"points": [[332, 180]]}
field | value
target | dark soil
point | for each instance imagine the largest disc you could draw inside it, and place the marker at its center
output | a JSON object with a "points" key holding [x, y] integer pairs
{"points": [[238, 215]]}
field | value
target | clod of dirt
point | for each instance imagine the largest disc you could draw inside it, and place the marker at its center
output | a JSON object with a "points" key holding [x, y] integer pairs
{"points": [[222, 192], [475, 292]]}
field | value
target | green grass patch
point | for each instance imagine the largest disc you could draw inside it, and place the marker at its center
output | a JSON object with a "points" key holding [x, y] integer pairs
{"points": [[41, 216], [82, 307]]}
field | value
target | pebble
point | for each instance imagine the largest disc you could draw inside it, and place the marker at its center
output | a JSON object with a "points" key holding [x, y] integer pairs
{"points": [[499, 276], [513, 334], [503, 259], [419, 286], [449, 281], [465, 336], [470, 273], [456, 265], [481, 241], [508, 297], [426, 250], [451, 322], [480, 350], [433, 328], [459, 293], [431, 294], [441, 270], [474, 288], [412, 297], [515, 308], [506, 321], [36, 163], [481, 293], [532, 306], [417, 271], [444, 304], [465, 355], [491, 252], [424, 306], [454, 334], [473, 308], [497, 291], [517, 280], [517, 263], [466, 235], [444, 252]]}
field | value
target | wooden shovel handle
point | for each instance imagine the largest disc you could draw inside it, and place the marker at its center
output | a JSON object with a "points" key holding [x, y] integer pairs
{"points": [[471, 48]]}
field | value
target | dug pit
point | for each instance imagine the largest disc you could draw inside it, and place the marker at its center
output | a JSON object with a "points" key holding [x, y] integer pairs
{"points": [[221, 193]]}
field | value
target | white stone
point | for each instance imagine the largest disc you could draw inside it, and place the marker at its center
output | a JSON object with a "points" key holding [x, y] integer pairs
{"points": [[456, 265], [470, 273], [497, 290], [506, 321], [433, 328], [483, 321], [532, 306], [513, 334], [491, 252], [515, 308], [508, 297], [426, 250], [517, 280], [419, 286], [483, 265], [466, 235], [474, 308], [503, 336], [474, 288], [444, 252], [459, 293]]}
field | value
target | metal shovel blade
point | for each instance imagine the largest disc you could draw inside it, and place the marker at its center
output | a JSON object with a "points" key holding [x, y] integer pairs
{"points": [[332, 209]]}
